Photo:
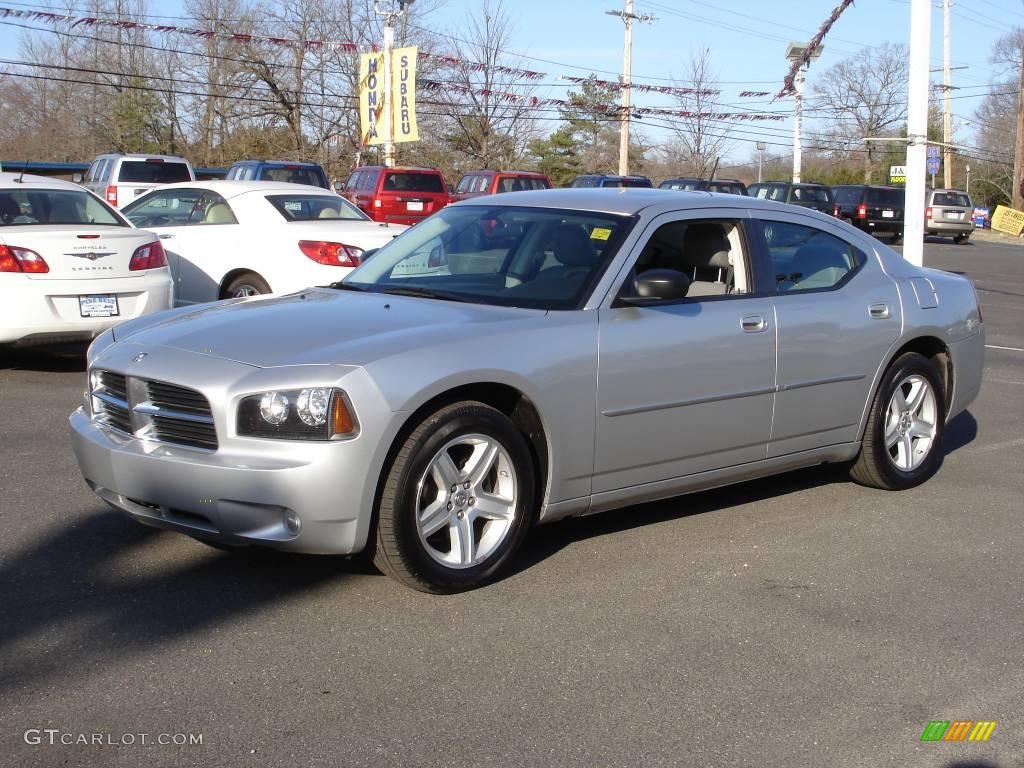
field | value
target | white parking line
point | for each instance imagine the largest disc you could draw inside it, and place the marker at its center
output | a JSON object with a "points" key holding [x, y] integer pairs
{"points": [[1011, 349]]}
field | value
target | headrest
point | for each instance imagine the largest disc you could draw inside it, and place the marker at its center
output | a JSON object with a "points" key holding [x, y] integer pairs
{"points": [[328, 213], [572, 246], [705, 244], [219, 213]]}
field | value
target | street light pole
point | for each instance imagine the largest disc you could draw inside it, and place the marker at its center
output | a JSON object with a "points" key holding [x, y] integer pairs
{"points": [[761, 147], [795, 52]]}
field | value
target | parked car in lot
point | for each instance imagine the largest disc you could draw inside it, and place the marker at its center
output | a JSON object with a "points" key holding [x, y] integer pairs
{"points": [[599, 180], [878, 210], [818, 197], [397, 195], [120, 178], [287, 171], [727, 186], [477, 183], [70, 265], [581, 352], [949, 213], [242, 238]]}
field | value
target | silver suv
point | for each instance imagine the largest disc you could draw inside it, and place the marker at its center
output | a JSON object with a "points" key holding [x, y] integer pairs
{"points": [[949, 213], [119, 179]]}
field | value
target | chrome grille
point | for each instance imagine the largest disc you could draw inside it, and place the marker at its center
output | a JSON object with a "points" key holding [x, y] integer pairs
{"points": [[154, 410]]}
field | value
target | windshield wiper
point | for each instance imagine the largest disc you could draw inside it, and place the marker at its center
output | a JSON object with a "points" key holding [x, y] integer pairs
{"points": [[425, 293], [341, 285]]}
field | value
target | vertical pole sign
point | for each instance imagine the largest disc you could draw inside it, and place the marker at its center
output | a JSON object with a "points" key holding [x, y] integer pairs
{"points": [[400, 97]]}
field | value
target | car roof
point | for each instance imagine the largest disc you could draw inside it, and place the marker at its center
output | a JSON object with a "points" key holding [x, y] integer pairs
{"points": [[507, 173], [626, 201], [228, 188], [144, 156], [307, 163], [15, 180], [400, 168]]}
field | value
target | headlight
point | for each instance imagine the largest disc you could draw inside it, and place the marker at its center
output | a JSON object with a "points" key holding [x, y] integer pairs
{"points": [[315, 413]]}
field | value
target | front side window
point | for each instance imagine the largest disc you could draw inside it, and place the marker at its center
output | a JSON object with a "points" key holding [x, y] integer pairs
{"points": [[525, 257], [804, 258], [309, 207], [52, 206], [179, 208]]}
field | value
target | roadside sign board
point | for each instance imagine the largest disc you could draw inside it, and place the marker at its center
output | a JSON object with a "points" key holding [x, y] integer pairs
{"points": [[1008, 220], [897, 174], [933, 159]]}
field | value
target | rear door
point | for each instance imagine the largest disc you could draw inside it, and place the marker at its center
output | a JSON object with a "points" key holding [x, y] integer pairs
{"points": [[885, 207], [951, 208]]}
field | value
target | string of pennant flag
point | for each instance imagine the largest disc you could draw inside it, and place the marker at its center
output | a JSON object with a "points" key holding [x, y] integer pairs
{"points": [[348, 47]]}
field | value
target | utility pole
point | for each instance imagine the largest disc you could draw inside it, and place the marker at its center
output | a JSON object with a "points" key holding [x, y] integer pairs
{"points": [[761, 147], [390, 16], [917, 130], [794, 52], [1017, 200], [628, 17], [947, 87]]}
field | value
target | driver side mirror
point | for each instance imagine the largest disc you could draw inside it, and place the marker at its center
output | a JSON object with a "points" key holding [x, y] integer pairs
{"points": [[656, 285]]}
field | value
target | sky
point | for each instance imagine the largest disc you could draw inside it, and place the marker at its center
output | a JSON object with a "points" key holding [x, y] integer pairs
{"points": [[747, 40]]}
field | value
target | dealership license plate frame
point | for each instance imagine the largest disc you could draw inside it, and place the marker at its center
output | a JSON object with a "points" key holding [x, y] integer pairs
{"points": [[99, 305]]}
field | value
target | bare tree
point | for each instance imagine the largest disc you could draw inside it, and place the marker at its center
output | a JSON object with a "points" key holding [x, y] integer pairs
{"points": [[863, 96], [699, 139]]}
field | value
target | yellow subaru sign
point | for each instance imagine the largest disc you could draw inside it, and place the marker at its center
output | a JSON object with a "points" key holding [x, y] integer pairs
{"points": [[372, 93]]}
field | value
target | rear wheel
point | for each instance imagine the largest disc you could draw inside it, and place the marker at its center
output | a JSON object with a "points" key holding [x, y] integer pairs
{"points": [[248, 284], [959, 238], [896, 239], [902, 444], [457, 501]]}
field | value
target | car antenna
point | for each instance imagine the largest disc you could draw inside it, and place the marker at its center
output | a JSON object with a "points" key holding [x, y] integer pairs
{"points": [[24, 167]]}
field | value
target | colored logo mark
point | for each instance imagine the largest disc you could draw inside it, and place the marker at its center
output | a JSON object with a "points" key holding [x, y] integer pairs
{"points": [[958, 730]]}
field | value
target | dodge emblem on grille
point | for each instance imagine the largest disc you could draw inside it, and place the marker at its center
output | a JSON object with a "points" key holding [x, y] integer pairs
{"points": [[140, 357]]}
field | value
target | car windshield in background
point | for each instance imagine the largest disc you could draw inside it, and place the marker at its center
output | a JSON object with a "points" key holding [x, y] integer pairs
{"points": [[951, 198], [685, 184], [847, 195], [413, 182], [310, 207], [772, 192], [53, 206], [889, 197], [153, 172], [306, 176], [524, 257]]}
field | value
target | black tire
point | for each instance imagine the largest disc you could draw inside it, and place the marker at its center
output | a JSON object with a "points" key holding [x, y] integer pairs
{"points": [[896, 239], [400, 551], [959, 238], [874, 466], [247, 284]]}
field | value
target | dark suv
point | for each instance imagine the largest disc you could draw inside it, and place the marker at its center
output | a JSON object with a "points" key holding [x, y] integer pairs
{"points": [[291, 171], [872, 209], [597, 180], [728, 186], [816, 196]]}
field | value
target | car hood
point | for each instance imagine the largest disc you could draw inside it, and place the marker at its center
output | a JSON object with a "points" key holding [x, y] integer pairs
{"points": [[319, 326]]}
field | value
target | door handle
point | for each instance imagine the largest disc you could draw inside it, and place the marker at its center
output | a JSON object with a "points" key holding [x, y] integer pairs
{"points": [[879, 311], [753, 323], [167, 236]]}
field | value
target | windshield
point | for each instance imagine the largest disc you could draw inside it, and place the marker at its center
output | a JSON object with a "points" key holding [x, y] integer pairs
{"points": [[687, 184], [52, 206], [539, 258], [309, 207]]}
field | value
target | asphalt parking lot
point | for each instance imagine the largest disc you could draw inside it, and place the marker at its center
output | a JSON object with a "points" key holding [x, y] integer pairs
{"points": [[795, 621]]}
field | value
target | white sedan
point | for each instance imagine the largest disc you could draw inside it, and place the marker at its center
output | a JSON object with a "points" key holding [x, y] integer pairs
{"points": [[242, 238], [70, 265]]}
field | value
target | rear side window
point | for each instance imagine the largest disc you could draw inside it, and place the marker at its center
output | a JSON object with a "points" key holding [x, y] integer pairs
{"points": [[889, 197], [804, 258], [405, 181], [153, 172], [369, 180], [771, 192], [310, 207]]}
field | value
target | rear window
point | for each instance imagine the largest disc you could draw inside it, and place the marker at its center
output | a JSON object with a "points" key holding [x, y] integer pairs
{"points": [[296, 175], [847, 195], [890, 197], [951, 198], [406, 181], [153, 172], [310, 207], [51, 206]]}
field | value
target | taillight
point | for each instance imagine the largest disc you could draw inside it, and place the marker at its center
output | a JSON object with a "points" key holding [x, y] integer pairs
{"points": [[148, 256], [835, 211], [112, 195], [862, 211], [15, 259], [928, 212], [331, 254]]}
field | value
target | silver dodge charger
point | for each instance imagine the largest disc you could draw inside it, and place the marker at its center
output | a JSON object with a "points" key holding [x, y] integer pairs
{"points": [[518, 359]]}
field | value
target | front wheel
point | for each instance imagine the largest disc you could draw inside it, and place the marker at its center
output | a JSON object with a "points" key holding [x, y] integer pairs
{"points": [[902, 444], [457, 500]]}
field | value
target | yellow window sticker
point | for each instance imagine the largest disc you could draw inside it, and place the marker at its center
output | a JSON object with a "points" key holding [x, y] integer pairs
{"points": [[600, 233]]}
